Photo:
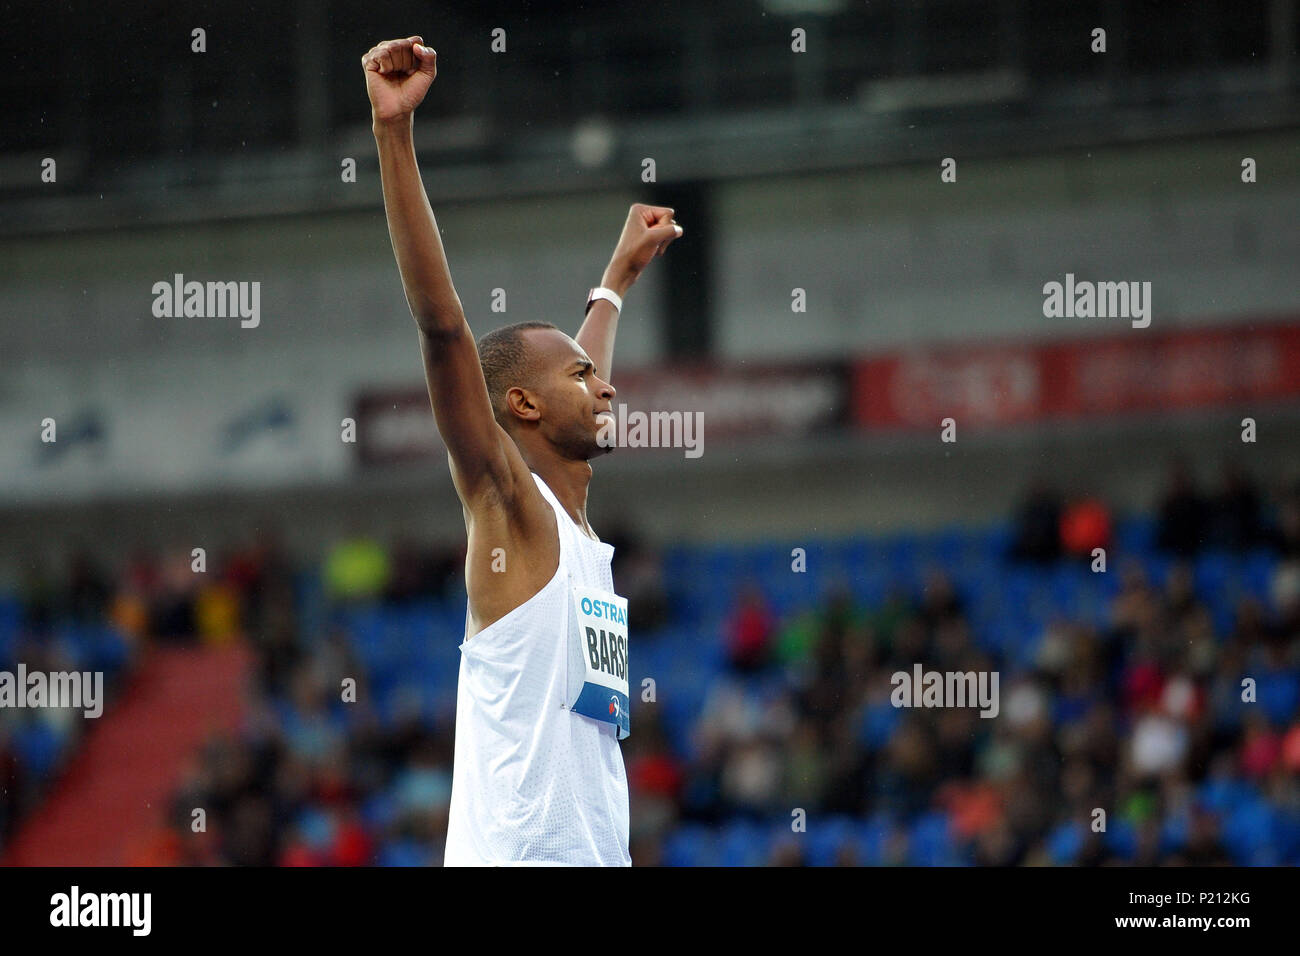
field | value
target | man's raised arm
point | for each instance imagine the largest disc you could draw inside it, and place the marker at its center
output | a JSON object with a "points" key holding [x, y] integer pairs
{"points": [[398, 75], [649, 230]]}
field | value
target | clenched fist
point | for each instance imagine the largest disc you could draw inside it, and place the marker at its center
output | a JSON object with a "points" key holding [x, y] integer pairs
{"points": [[649, 230], [398, 75]]}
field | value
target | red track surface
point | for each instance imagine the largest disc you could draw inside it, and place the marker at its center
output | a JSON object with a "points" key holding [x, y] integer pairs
{"points": [[115, 792]]}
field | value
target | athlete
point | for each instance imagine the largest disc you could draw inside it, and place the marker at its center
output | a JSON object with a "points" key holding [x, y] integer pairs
{"points": [[542, 697]]}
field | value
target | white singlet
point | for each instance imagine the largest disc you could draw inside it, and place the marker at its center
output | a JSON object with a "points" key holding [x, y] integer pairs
{"points": [[533, 782]]}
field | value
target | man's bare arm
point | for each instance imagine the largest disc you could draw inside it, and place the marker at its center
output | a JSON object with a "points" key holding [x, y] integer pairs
{"points": [[398, 75], [649, 230]]}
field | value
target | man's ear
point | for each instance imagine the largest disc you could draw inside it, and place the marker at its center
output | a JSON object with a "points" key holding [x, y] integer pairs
{"points": [[522, 404]]}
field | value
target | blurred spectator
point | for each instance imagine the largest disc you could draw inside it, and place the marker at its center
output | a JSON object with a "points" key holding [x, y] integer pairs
{"points": [[656, 777], [1085, 526], [88, 589], [940, 603], [1285, 538], [356, 569], [638, 576], [1183, 513], [12, 786], [37, 597], [1261, 748], [262, 574], [421, 572], [1037, 534], [1134, 704], [787, 852], [1235, 521], [172, 614], [1285, 590], [749, 632]]}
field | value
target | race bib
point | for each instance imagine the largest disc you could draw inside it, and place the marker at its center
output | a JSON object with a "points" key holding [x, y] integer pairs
{"points": [[598, 686]]}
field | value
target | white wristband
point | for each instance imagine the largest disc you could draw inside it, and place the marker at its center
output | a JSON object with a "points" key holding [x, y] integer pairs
{"points": [[600, 292]]}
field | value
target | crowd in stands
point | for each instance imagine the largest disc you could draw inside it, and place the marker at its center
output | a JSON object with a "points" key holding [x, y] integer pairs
{"points": [[1121, 691], [1139, 712], [57, 623]]}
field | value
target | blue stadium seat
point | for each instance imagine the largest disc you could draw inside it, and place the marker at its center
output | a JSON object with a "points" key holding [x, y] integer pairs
{"points": [[994, 542], [1250, 835], [1214, 572], [903, 553], [1066, 588], [931, 842], [1279, 695], [378, 811], [691, 845], [1223, 615], [403, 853], [365, 625], [316, 827], [861, 554], [944, 549], [1287, 830], [871, 838], [1174, 832], [107, 650], [1257, 574], [719, 561], [676, 561], [1158, 566], [743, 843], [1065, 843], [1136, 535], [878, 725], [1120, 838], [825, 837], [11, 613], [38, 746]]}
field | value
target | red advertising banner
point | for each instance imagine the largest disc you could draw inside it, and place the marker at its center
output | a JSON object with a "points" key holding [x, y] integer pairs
{"points": [[397, 425], [1136, 371], [743, 400]]}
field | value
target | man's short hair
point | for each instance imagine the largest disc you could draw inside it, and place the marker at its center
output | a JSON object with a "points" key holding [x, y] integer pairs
{"points": [[506, 363]]}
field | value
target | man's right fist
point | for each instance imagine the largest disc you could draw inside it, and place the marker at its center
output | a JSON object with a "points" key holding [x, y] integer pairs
{"points": [[398, 74]]}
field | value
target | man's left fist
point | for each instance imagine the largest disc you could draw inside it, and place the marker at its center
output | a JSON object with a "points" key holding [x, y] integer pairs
{"points": [[649, 231]]}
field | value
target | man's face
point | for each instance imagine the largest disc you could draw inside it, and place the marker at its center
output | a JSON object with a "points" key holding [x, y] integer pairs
{"points": [[575, 404]]}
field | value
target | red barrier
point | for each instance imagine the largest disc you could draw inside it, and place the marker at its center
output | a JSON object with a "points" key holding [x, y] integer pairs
{"points": [[1135, 371]]}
